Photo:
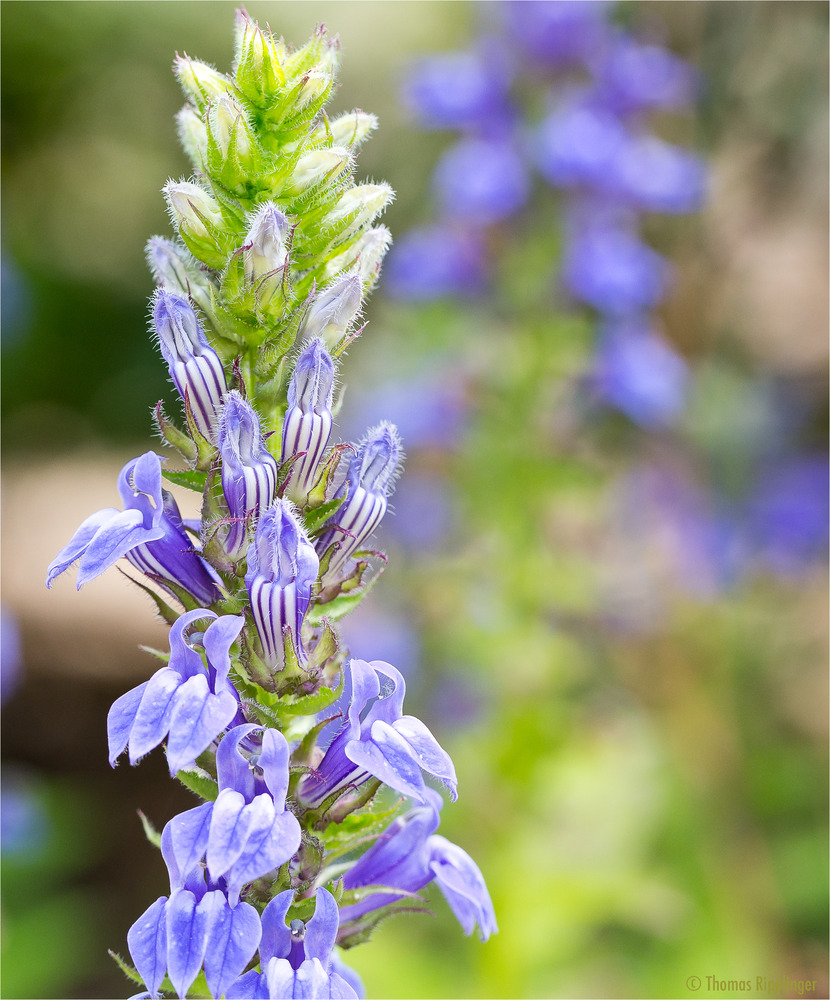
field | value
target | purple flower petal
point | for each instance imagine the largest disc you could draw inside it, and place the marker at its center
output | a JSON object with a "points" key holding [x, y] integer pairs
{"points": [[463, 885], [198, 718], [120, 719], [147, 941], [276, 937], [188, 837], [274, 759], [269, 845], [152, 720], [431, 756], [232, 941], [114, 539], [79, 542], [229, 826], [389, 757], [321, 930], [187, 926]]}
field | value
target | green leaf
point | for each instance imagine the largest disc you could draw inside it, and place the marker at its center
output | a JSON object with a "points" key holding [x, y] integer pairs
{"points": [[316, 518], [150, 832], [200, 782], [310, 704], [126, 968], [189, 478]]}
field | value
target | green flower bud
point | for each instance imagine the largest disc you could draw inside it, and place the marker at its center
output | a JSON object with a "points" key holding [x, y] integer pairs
{"points": [[266, 251], [314, 86], [258, 59], [192, 208], [192, 135], [359, 205], [333, 310], [353, 129], [200, 82], [317, 167], [229, 128]]}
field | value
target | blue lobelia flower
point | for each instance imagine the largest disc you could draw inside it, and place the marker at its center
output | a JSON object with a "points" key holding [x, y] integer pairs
{"points": [[282, 568], [466, 90], [640, 374], [307, 426], [195, 926], [194, 365], [191, 702], [483, 180], [611, 269], [372, 738], [434, 261], [247, 831], [249, 472], [297, 959], [655, 176], [632, 77], [408, 856], [557, 32], [372, 471], [148, 532], [578, 144]]}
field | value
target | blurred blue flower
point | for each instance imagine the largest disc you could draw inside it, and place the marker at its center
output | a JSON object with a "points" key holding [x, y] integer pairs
{"points": [[424, 512], [632, 76], [482, 180], [640, 374], [557, 32], [658, 177], [464, 90], [435, 261], [578, 144], [788, 514], [611, 269]]}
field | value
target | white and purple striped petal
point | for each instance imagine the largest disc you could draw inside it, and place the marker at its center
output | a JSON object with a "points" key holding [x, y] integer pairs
{"points": [[194, 365], [249, 472], [307, 426]]}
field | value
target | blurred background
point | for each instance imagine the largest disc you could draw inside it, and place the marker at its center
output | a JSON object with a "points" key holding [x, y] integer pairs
{"points": [[607, 577]]}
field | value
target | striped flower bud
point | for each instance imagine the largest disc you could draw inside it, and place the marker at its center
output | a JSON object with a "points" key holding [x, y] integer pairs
{"points": [[282, 568], [266, 251], [334, 309], [249, 473], [372, 471], [307, 425], [176, 270], [194, 365]]}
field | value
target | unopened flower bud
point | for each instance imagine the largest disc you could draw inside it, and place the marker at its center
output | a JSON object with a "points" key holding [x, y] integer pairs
{"points": [[177, 271], [200, 82], [249, 473], [316, 167], [352, 129], [194, 365], [334, 309], [266, 250], [313, 86], [192, 134], [258, 59], [192, 208], [372, 247], [361, 204], [229, 126], [307, 426], [372, 471], [282, 568]]}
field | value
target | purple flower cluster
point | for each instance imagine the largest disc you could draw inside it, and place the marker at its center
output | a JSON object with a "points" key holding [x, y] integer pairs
{"points": [[593, 145], [236, 862]]}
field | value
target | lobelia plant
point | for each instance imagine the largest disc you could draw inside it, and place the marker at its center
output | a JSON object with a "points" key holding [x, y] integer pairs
{"points": [[262, 712]]}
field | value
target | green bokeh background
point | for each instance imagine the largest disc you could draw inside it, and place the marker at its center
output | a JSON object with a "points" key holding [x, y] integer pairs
{"points": [[646, 806]]}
